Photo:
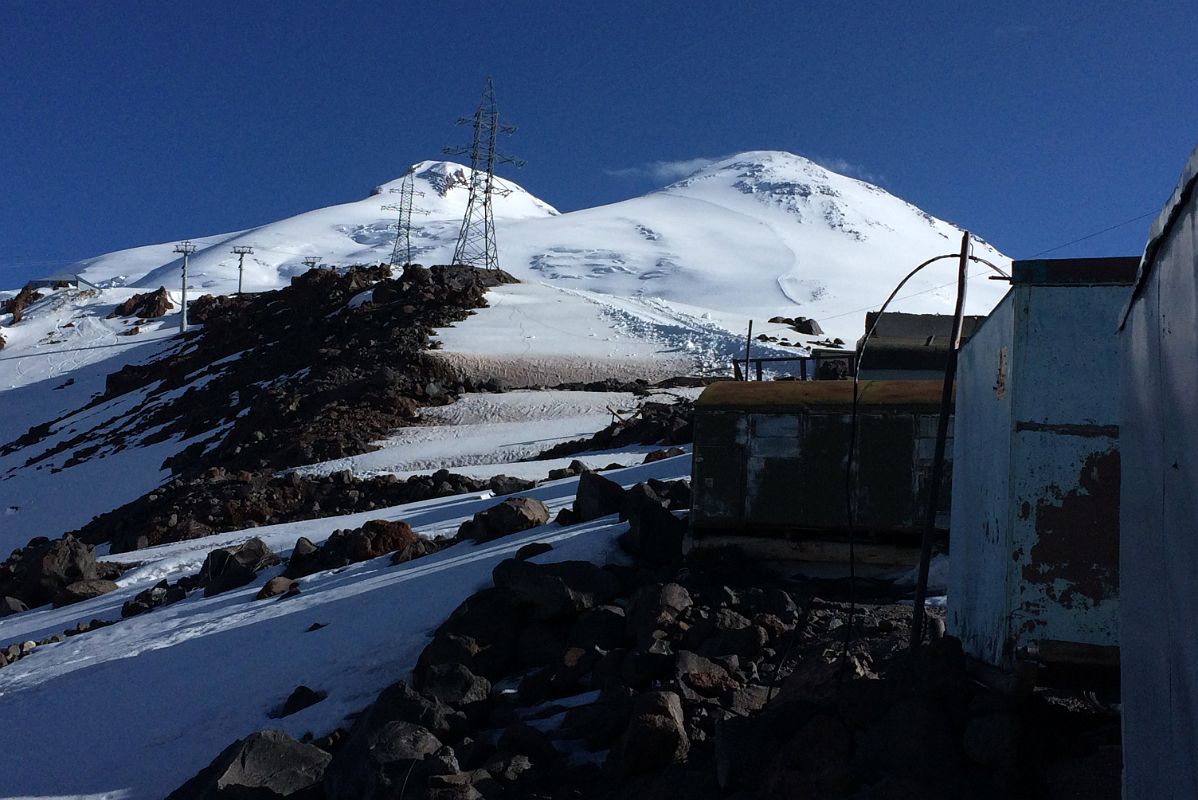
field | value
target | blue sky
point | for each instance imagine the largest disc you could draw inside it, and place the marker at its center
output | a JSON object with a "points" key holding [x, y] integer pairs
{"points": [[126, 123]]}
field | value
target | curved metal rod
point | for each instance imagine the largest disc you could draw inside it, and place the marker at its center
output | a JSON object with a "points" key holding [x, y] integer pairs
{"points": [[972, 257]]}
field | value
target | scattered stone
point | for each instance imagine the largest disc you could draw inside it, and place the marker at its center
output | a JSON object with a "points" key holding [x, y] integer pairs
{"points": [[276, 586], [532, 550], [298, 700], [511, 516]]}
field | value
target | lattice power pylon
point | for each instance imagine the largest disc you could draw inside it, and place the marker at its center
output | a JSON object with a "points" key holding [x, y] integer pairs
{"points": [[403, 231], [476, 240]]}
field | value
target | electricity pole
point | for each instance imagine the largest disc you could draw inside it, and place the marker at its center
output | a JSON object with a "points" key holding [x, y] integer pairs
{"points": [[403, 229], [240, 251], [476, 240], [186, 248], [311, 262]]}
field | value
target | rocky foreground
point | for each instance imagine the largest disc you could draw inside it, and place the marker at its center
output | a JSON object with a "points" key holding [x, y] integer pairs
{"points": [[671, 676]]}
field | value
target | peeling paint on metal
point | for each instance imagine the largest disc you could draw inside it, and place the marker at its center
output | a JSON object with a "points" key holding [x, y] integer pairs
{"points": [[1076, 553]]}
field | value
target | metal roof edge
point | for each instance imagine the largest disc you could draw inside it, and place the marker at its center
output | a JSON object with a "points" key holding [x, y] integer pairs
{"points": [[1161, 228]]}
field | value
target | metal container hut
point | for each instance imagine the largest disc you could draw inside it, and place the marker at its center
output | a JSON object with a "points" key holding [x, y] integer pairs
{"points": [[1159, 564], [769, 468], [1034, 537]]}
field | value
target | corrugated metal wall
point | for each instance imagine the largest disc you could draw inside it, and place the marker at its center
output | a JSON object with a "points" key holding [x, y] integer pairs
{"points": [[1159, 551]]}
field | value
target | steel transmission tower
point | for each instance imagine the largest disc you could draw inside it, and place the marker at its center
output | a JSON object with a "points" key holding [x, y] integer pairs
{"points": [[476, 241], [403, 231]]}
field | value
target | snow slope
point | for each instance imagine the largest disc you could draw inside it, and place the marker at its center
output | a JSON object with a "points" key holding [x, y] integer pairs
{"points": [[752, 236], [138, 707]]}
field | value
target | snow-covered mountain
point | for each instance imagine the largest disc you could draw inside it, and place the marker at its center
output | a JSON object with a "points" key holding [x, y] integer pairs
{"points": [[754, 235]]}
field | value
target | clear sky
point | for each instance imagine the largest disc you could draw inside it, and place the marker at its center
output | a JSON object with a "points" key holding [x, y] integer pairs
{"points": [[1031, 123]]}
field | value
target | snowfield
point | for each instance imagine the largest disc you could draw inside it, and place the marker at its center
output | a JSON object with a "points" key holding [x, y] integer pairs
{"points": [[677, 272], [138, 707]]}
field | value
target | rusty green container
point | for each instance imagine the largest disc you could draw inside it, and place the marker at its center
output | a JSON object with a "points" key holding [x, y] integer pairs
{"points": [[770, 457]]}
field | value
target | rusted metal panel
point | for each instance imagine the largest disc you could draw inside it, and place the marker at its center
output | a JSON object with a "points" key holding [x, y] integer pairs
{"points": [[790, 447], [1035, 520], [1159, 442]]}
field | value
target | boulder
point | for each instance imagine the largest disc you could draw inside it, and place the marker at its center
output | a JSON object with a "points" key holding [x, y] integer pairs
{"points": [[655, 606], [455, 685], [262, 765], [597, 497], [481, 633], [377, 762], [36, 573], [233, 567], [298, 700], [276, 586], [83, 590], [378, 537], [661, 455], [511, 516], [600, 628], [505, 484], [532, 550], [702, 676], [148, 305], [655, 737], [11, 605], [654, 534], [558, 590]]}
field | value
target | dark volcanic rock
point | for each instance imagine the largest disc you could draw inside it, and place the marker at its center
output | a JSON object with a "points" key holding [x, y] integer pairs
{"points": [[265, 764], [145, 306], [656, 736], [558, 590], [343, 547], [597, 497], [11, 605], [38, 572], [376, 761], [232, 567], [83, 590], [511, 516], [654, 534], [17, 305], [298, 700]]}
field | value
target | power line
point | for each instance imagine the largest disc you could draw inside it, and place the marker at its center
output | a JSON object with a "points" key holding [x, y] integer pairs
{"points": [[1092, 235]]}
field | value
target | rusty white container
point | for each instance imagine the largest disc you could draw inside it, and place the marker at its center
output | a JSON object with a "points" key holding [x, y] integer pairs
{"points": [[1034, 532]]}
